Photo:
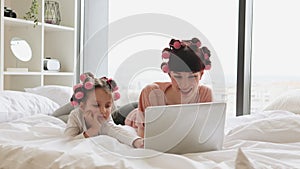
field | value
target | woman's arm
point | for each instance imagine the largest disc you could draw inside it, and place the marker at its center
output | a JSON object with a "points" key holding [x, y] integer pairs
{"points": [[151, 95]]}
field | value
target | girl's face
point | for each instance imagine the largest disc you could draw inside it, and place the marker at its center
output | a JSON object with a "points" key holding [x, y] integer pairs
{"points": [[99, 103], [186, 82]]}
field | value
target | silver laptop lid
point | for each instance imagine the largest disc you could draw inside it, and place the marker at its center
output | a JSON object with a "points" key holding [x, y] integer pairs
{"points": [[185, 128]]}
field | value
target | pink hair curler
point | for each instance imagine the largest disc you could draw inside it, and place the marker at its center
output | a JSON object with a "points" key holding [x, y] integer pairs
{"points": [[198, 44], [88, 85], [177, 44], [74, 103], [207, 67], [115, 88], [206, 56], [77, 86], [79, 95], [165, 68], [83, 77], [165, 55], [116, 96]]}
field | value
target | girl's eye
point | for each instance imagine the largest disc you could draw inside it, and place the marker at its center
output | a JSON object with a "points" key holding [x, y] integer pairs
{"points": [[96, 105]]}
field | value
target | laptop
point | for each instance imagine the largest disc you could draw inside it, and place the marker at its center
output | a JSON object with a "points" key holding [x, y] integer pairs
{"points": [[185, 128]]}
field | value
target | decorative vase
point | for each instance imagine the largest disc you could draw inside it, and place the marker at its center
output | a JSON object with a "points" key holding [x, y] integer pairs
{"points": [[52, 13]]}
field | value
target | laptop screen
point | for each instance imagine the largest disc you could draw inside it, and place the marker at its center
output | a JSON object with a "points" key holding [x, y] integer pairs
{"points": [[185, 128]]}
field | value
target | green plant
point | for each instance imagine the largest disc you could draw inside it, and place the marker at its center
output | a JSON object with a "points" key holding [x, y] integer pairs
{"points": [[33, 12]]}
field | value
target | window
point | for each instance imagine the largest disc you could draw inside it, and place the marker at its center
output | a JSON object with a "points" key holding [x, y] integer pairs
{"points": [[275, 50], [134, 57]]}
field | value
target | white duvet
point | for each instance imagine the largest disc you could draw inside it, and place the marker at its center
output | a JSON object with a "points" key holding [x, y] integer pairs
{"points": [[268, 139]]}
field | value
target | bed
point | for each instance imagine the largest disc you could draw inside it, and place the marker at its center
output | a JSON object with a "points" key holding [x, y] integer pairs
{"points": [[31, 137]]}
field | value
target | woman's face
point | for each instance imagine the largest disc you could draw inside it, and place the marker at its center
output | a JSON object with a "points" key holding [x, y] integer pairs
{"points": [[99, 103], [186, 82]]}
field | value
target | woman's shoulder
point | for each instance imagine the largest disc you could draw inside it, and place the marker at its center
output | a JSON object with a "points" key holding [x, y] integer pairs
{"points": [[158, 85], [204, 88], [206, 93]]}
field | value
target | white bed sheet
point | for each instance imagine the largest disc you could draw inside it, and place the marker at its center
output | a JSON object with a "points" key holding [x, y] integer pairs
{"points": [[268, 139]]}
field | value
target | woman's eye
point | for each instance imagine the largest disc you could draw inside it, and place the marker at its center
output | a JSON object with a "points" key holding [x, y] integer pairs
{"points": [[193, 77], [177, 77]]}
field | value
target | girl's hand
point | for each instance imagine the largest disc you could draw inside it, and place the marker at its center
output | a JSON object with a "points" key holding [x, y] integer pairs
{"points": [[138, 143], [92, 122]]}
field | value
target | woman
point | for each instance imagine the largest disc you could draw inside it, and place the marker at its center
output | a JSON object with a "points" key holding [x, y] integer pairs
{"points": [[185, 62]]}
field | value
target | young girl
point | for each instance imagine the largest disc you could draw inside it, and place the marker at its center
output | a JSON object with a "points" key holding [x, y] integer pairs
{"points": [[95, 100], [185, 62]]}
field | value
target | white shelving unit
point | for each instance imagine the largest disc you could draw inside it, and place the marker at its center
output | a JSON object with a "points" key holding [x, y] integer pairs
{"points": [[46, 40]]}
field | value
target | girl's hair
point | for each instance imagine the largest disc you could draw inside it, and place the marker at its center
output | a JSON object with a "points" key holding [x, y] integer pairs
{"points": [[89, 83], [185, 56]]}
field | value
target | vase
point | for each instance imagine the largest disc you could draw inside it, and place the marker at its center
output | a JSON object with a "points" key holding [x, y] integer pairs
{"points": [[52, 13]]}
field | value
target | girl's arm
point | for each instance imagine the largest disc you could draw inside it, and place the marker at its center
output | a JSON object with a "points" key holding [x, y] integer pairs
{"points": [[124, 134], [74, 127], [93, 124]]}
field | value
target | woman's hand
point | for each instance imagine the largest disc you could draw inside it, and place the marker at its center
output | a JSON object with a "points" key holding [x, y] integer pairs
{"points": [[131, 118], [138, 143], [136, 119]]}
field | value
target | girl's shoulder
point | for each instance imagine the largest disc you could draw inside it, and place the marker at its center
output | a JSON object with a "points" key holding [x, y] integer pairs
{"points": [[75, 112]]}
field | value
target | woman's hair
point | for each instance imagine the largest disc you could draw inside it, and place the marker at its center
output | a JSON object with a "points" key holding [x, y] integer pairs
{"points": [[89, 83], [185, 56]]}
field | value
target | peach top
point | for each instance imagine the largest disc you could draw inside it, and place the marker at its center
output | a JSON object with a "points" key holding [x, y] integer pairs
{"points": [[154, 95]]}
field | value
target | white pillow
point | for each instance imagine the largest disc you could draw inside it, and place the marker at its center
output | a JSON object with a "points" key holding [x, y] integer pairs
{"points": [[17, 104], [289, 101], [280, 129], [60, 94]]}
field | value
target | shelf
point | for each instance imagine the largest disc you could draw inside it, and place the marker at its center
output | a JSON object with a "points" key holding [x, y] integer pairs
{"points": [[17, 22], [57, 41], [51, 27], [22, 73], [54, 73]]}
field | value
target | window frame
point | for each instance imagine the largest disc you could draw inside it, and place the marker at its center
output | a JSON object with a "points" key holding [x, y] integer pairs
{"points": [[243, 87]]}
